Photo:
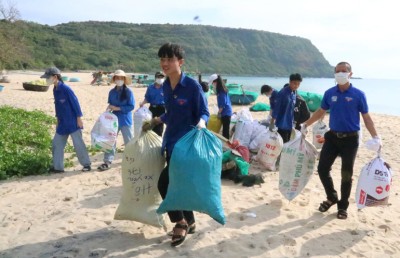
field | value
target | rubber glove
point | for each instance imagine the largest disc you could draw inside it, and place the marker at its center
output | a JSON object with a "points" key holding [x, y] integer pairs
{"points": [[303, 129], [374, 144], [201, 124]]}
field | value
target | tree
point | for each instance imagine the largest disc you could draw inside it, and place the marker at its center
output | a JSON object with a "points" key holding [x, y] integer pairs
{"points": [[9, 13]]}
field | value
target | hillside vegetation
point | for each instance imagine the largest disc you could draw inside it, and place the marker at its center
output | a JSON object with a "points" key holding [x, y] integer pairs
{"points": [[133, 47]]}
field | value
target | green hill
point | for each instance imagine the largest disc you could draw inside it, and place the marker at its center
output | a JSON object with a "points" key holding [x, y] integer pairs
{"points": [[134, 47]]}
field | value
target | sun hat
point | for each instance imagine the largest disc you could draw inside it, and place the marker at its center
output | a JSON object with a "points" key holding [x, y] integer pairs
{"points": [[158, 74], [212, 78], [119, 73], [50, 72]]}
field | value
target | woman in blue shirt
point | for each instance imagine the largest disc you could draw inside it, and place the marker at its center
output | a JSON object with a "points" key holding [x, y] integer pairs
{"points": [[69, 122], [224, 103], [155, 96], [121, 103]]}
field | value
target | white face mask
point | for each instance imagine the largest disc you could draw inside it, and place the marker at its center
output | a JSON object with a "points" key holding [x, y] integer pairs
{"points": [[342, 78], [49, 81], [159, 81], [119, 82]]}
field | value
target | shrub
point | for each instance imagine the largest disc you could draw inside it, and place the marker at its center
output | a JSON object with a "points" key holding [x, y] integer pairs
{"points": [[25, 147]]}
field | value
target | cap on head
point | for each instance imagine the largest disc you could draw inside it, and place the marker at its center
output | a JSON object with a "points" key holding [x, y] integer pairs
{"points": [[212, 78], [159, 74], [50, 72]]}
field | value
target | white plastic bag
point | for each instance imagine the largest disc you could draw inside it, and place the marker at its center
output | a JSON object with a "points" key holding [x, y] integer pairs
{"points": [[296, 165], [319, 129], [270, 149], [373, 185], [142, 164], [139, 116], [104, 132]]}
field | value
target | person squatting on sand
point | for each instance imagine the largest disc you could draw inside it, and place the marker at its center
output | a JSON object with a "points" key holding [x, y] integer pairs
{"points": [[283, 113], [223, 101], [345, 103], [121, 103], [155, 96], [272, 94], [186, 108], [69, 122]]}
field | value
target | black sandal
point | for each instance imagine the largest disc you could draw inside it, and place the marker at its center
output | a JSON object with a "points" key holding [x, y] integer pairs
{"points": [[341, 214], [103, 167], [178, 239], [325, 205], [191, 230]]}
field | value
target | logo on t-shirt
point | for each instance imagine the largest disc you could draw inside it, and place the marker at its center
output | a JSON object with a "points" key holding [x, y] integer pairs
{"points": [[348, 99], [334, 98], [181, 101]]}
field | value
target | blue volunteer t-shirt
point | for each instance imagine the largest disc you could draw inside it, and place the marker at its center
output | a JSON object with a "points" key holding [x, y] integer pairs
{"points": [[284, 109], [345, 108], [184, 106], [154, 95], [127, 105], [67, 109], [224, 102], [272, 99]]}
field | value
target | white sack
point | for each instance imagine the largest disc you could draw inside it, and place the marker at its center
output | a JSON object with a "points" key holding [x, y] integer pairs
{"points": [[319, 129], [270, 149], [104, 132], [139, 116]]}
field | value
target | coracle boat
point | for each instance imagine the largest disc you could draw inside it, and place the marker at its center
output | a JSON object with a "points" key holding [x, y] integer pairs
{"points": [[239, 96], [34, 87]]}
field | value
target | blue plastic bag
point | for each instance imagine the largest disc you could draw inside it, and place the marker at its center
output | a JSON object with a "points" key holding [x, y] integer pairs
{"points": [[195, 175]]}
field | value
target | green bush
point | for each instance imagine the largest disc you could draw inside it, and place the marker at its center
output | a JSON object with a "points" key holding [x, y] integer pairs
{"points": [[25, 146]]}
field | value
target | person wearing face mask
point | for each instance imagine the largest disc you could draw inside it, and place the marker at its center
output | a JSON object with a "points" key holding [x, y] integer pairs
{"points": [[155, 96], [69, 122], [121, 102], [283, 113], [345, 103], [223, 101]]}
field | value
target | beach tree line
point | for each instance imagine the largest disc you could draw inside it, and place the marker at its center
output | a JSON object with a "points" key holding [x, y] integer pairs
{"points": [[133, 47]]}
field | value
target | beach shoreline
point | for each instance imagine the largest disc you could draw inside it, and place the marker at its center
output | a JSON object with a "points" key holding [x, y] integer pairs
{"points": [[71, 214]]}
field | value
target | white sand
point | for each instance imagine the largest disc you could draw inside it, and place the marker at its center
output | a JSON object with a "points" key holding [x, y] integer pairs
{"points": [[71, 214]]}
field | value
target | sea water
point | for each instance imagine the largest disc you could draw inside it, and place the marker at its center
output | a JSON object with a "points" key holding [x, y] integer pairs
{"points": [[382, 94]]}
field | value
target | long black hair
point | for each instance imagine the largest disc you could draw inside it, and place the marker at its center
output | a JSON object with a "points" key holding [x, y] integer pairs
{"points": [[220, 85]]}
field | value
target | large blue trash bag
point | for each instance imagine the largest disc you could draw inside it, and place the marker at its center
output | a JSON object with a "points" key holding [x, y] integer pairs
{"points": [[195, 175]]}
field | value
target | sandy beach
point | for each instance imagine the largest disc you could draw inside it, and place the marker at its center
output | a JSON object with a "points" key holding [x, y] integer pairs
{"points": [[71, 214]]}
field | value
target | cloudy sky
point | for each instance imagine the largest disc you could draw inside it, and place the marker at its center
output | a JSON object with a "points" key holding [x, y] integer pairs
{"points": [[363, 33]]}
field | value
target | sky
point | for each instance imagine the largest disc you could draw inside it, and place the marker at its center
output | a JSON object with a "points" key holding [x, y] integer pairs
{"points": [[363, 33]]}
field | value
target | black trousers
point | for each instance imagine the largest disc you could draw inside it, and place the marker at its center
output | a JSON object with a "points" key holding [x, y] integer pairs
{"points": [[158, 110], [347, 149], [226, 121], [285, 134], [163, 183]]}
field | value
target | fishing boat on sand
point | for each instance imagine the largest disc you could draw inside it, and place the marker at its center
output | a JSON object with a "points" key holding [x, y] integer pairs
{"points": [[239, 96]]}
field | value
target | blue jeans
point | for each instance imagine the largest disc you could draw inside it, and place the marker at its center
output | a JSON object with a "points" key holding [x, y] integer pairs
{"points": [[127, 135], [58, 146], [332, 148]]}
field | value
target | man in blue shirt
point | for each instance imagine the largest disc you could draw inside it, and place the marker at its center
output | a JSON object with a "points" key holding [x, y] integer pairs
{"points": [[283, 113], [155, 96], [345, 103], [272, 94], [185, 105], [69, 122]]}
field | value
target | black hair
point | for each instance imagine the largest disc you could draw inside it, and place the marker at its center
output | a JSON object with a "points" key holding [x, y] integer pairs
{"points": [[205, 86], [295, 77], [170, 50], [59, 77], [265, 88], [344, 63], [124, 93], [220, 85]]}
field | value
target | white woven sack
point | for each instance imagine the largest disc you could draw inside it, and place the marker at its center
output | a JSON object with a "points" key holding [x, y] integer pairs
{"points": [[141, 166], [373, 185], [104, 132], [270, 149], [139, 116], [296, 166], [319, 129]]}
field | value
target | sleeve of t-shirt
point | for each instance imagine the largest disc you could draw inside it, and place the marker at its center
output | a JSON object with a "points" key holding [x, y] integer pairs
{"points": [[363, 105]]}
